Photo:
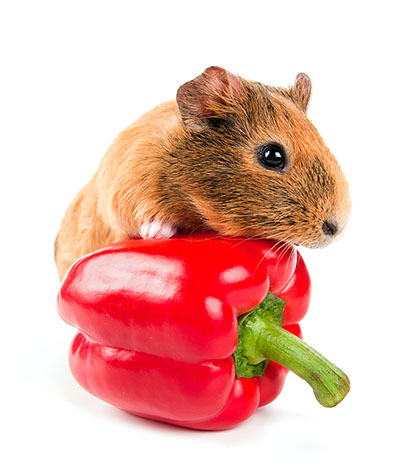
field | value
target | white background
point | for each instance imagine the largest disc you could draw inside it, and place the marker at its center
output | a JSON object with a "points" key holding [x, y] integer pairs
{"points": [[73, 74]]}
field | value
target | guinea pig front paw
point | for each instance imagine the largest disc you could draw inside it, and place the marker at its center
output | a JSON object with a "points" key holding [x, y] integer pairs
{"points": [[156, 229]]}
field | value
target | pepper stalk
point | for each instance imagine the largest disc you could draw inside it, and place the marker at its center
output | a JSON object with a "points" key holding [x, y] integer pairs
{"points": [[261, 338]]}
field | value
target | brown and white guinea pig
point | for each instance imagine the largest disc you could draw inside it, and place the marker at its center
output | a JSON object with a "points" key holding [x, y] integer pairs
{"points": [[228, 155]]}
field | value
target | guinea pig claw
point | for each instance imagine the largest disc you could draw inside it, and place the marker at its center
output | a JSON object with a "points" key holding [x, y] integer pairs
{"points": [[157, 229]]}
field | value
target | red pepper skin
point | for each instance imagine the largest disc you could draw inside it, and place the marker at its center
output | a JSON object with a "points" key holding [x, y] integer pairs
{"points": [[158, 322]]}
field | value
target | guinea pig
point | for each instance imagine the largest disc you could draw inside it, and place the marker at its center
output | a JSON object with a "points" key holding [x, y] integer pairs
{"points": [[228, 155]]}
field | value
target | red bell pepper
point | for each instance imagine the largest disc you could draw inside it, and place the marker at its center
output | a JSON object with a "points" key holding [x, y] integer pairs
{"points": [[159, 321]]}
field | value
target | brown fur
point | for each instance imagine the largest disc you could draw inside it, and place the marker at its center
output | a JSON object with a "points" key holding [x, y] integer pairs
{"points": [[192, 163]]}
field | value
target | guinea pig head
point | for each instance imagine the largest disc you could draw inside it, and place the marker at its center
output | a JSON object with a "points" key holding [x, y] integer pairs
{"points": [[254, 165]]}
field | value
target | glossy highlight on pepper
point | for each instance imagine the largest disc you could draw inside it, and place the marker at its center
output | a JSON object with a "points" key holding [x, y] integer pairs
{"points": [[158, 324]]}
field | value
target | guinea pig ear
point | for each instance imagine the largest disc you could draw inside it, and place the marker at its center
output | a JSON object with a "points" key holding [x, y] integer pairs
{"points": [[203, 101], [301, 91]]}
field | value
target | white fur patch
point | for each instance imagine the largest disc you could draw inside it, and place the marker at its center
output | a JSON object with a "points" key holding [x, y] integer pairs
{"points": [[157, 229]]}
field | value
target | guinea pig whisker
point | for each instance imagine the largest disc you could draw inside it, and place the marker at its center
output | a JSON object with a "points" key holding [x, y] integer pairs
{"points": [[277, 246], [243, 241], [285, 248]]}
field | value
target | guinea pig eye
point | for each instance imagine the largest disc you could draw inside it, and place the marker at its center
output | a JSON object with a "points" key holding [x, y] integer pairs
{"points": [[272, 157]]}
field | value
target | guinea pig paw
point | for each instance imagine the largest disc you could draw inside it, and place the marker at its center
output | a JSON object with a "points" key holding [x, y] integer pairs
{"points": [[156, 229]]}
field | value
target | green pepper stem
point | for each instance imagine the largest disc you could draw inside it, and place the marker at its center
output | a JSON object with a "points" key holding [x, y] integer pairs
{"points": [[329, 383]]}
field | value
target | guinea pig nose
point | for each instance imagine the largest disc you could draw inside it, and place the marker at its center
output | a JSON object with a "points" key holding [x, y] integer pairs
{"points": [[329, 228]]}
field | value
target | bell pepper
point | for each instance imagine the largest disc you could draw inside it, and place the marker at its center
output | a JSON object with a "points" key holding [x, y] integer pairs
{"points": [[197, 331]]}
